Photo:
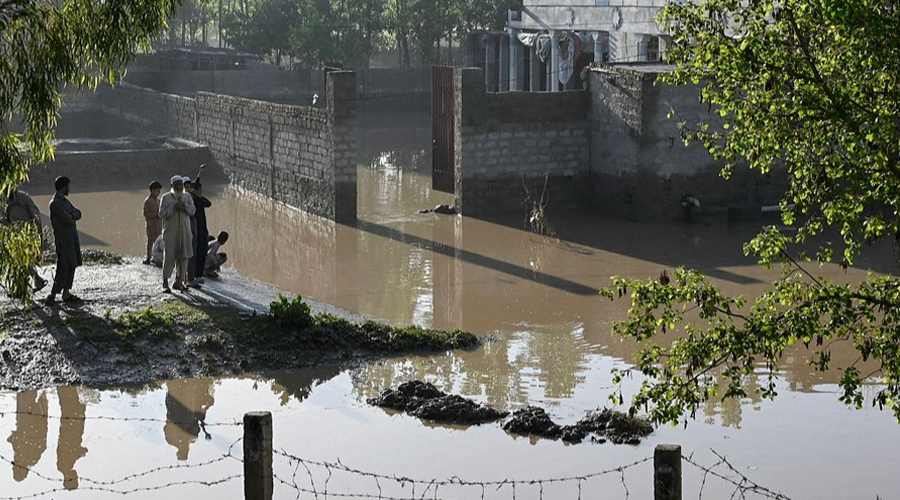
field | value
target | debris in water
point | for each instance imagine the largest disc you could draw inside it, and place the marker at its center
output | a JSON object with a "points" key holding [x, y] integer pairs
{"points": [[440, 209], [423, 400]]}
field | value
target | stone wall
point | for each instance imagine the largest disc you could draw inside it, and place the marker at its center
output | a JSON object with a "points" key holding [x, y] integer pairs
{"points": [[302, 156], [641, 168], [508, 145]]}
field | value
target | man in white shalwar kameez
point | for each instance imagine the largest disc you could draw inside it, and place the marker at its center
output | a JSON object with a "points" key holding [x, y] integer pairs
{"points": [[175, 209]]}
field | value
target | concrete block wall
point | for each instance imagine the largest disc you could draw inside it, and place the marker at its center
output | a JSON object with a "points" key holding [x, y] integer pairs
{"points": [[508, 144], [640, 167]]}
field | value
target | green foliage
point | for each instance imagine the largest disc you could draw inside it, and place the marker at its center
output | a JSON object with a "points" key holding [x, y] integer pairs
{"points": [[45, 46], [350, 31], [19, 252], [161, 320], [291, 313], [810, 87], [806, 86], [381, 336], [291, 325]]}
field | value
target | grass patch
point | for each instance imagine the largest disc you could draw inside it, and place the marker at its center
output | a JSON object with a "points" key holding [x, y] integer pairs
{"points": [[291, 325], [155, 322], [162, 320]]}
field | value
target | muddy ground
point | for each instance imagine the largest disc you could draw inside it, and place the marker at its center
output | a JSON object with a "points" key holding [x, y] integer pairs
{"points": [[425, 401], [127, 331]]}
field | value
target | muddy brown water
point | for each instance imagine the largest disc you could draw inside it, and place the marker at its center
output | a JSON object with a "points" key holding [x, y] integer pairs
{"points": [[536, 296]]}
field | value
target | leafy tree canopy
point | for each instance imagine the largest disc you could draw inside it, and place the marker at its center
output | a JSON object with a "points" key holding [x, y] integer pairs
{"points": [[45, 45], [813, 87]]}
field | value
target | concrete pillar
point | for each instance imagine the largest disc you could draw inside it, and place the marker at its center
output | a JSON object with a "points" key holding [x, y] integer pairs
{"points": [[534, 64], [663, 48], [515, 83], [341, 92], [643, 46], [258, 479], [516, 62], [598, 48], [554, 62], [490, 63], [505, 63], [667, 472]]}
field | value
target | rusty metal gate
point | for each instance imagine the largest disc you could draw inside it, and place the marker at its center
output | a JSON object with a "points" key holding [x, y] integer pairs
{"points": [[442, 144]]}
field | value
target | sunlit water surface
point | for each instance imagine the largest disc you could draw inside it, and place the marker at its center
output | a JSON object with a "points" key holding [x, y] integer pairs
{"points": [[554, 348]]}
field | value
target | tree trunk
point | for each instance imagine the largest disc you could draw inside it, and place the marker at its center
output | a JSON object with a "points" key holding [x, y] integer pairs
{"points": [[404, 51]]}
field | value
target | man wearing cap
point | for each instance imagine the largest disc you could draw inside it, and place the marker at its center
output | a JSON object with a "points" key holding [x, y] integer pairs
{"points": [[175, 209], [151, 217], [63, 216]]}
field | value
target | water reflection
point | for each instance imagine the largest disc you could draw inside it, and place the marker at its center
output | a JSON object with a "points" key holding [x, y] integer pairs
{"points": [[29, 440], [69, 449], [187, 402]]}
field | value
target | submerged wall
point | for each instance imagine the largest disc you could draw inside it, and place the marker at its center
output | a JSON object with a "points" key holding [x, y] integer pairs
{"points": [[302, 156], [613, 148], [508, 145], [640, 166]]}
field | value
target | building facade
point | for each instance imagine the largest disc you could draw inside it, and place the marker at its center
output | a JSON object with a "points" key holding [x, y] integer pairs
{"points": [[549, 42]]}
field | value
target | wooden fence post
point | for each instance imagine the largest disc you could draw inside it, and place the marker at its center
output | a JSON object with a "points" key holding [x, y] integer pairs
{"points": [[258, 480], [667, 472]]}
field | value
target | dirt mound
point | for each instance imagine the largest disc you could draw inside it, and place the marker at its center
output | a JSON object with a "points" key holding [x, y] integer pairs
{"points": [[606, 424], [616, 426], [423, 400]]}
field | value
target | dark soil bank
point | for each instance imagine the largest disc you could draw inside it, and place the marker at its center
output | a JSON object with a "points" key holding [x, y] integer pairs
{"points": [[127, 331], [425, 401]]}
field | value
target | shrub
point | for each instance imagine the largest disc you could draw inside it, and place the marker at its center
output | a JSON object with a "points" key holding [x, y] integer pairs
{"points": [[291, 313]]}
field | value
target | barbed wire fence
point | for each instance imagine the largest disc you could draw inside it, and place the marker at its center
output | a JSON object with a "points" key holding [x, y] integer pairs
{"points": [[264, 467]]}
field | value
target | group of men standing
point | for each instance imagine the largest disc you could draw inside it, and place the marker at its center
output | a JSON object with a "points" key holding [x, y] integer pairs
{"points": [[177, 228]]}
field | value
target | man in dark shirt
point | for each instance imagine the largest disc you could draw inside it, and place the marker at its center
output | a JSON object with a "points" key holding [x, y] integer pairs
{"points": [[63, 216], [201, 204]]}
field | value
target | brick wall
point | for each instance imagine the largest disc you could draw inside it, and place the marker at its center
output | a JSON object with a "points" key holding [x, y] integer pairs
{"points": [[640, 168], [509, 144], [302, 156]]}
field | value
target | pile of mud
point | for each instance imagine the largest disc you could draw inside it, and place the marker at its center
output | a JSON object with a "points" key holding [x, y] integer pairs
{"points": [[605, 425], [423, 400]]}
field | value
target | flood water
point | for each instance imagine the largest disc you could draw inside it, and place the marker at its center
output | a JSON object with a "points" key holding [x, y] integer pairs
{"points": [[536, 296]]}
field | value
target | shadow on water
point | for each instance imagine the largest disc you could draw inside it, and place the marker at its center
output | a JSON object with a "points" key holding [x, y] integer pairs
{"points": [[475, 258]]}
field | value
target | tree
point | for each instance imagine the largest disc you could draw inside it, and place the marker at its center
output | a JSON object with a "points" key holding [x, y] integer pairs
{"points": [[46, 45], [263, 27], [813, 87]]}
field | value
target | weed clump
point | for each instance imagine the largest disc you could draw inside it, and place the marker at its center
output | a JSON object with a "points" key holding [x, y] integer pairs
{"points": [[290, 324], [291, 313]]}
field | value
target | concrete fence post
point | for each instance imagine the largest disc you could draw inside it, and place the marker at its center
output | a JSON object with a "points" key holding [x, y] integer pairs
{"points": [[667, 472], [341, 91], [258, 479]]}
